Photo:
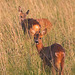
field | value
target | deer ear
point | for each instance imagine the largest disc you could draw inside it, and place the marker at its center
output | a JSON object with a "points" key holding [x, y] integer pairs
{"points": [[19, 9], [44, 31], [27, 12]]}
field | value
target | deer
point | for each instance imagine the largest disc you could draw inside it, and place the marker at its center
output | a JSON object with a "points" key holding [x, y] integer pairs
{"points": [[29, 24], [52, 56], [32, 24]]}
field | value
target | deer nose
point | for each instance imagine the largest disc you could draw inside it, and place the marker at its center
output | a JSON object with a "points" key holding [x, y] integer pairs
{"points": [[36, 41]]}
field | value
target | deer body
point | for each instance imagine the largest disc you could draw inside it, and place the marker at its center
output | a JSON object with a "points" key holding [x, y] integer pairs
{"points": [[45, 23], [54, 53], [30, 24]]}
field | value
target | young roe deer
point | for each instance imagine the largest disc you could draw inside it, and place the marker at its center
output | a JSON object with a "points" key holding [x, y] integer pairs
{"points": [[28, 24], [32, 24], [53, 55]]}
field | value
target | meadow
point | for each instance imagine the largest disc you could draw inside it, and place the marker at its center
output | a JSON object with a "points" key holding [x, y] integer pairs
{"points": [[18, 53]]}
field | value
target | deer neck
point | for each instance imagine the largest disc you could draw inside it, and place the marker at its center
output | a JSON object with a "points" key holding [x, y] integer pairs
{"points": [[39, 47]]}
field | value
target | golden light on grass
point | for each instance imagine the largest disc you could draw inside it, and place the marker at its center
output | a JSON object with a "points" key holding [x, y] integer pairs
{"points": [[18, 54]]}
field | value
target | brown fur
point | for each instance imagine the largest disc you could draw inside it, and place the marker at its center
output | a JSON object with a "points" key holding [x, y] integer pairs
{"points": [[33, 24], [45, 23], [54, 53]]}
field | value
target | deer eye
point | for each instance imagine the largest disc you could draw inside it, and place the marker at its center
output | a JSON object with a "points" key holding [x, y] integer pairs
{"points": [[40, 37], [34, 37], [21, 16]]}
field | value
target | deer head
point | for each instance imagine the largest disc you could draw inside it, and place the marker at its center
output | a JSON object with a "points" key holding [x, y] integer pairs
{"points": [[22, 16], [38, 36]]}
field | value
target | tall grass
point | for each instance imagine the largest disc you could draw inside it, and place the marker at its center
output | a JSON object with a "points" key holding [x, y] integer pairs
{"points": [[18, 54]]}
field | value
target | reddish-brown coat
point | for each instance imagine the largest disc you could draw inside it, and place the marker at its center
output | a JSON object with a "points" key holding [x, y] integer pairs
{"points": [[54, 53], [45, 23]]}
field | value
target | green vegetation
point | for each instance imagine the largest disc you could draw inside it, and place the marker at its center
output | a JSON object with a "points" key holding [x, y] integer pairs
{"points": [[18, 54]]}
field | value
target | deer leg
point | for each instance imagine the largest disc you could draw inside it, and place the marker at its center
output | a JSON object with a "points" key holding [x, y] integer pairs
{"points": [[43, 66], [62, 66], [57, 68], [29, 34], [53, 71], [44, 63]]}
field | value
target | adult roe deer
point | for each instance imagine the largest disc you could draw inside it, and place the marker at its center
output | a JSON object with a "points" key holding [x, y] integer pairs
{"points": [[53, 55], [32, 24]]}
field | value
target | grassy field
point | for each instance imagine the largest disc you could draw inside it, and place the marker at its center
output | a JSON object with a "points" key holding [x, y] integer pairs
{"points": [[18, 54]]}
